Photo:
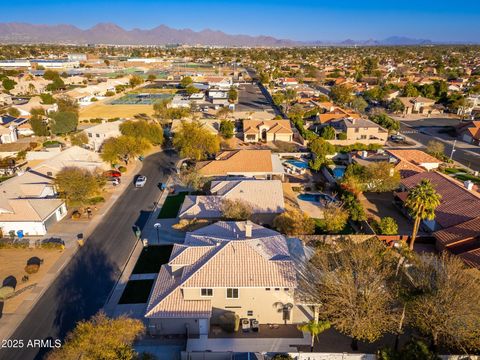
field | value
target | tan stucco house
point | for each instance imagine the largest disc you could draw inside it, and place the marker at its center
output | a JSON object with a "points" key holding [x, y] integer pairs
{"points": [[267, 130]]}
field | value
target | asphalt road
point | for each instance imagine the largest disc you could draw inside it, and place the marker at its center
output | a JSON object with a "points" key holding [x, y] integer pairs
{"points": [[467, 157], [251, 98], [82, 288]]}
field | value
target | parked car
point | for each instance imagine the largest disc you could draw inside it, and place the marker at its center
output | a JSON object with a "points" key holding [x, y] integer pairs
{"points": [[140, 181], [112, 173]]}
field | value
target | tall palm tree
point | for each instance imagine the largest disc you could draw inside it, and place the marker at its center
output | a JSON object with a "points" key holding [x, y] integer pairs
{"points": [[421, 202], [315, 328]]}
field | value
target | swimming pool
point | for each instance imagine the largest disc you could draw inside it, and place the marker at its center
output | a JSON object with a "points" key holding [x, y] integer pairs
{"points": [[338, 171], [316, 197], [298, 163]]}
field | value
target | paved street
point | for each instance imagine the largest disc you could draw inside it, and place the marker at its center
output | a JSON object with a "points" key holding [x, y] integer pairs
{"points": [[468, 156], [85, 283]]}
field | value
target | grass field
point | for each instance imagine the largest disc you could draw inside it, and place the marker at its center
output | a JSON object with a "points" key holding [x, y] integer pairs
{"points": [[102, 110], [172, 205], [152, 258], [136, 292]]}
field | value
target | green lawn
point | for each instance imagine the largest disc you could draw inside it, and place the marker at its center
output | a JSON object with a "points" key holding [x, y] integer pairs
{"points": [[460, 174], [136, 292], [151, 258], [172, 205]]}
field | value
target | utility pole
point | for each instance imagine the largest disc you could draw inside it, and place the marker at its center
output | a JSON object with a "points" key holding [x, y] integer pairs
{"points": [[453, 149]]}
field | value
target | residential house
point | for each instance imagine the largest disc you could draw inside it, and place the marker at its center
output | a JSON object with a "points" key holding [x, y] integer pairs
{"points": [[29, 205], [420, 105], [5, 99], [267, 130], [416, 157], [260, 164], [239, 269], [35, 102], [358, 131], [470, 132], [99, 133], [218, 97], [264, 196], [460, 202]]}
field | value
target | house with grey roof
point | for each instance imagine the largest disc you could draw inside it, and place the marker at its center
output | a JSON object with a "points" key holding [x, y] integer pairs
{"points": [[264, 196], [227, 270]]}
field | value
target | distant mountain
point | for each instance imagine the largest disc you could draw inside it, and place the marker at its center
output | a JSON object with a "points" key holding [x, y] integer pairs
{"points": [[108, 33]]}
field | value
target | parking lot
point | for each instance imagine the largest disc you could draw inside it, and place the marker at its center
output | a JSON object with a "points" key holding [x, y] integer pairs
{"points": [[251, 98]]}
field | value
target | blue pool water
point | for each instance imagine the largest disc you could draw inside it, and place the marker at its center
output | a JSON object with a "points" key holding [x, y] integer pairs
{"points": [[298, 163], [338, 172], [316, 197]]}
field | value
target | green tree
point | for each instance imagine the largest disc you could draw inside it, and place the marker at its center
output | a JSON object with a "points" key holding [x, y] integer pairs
{"points": [[135, 81], [79, 139], [436, 148], [227, 129], [381, 177], [64, 122], [328, 133], [320, 148], [13, 112], [359, 104], [386, 121], [47, 99], [410, 90], [151, 132], [151, 77], [341, 94], [354, 207], [294, 222], [8, 84], [56, 84], [186, 81], [388, 226], [232, 94], [39, 126], [315, 328], [237, 210], [336, 218], [77, 185], [421, 202], [101, 338], [190, 89], [123, 148], [194, 141], [278, 98], [396, 106], [51, 75]]}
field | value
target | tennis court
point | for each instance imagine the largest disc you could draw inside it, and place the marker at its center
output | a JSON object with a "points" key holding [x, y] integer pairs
{"points": [[140, 99]]}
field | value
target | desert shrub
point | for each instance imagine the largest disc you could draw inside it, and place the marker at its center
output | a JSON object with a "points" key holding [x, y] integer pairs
{"points": [[32, 268], [95, 200], [122, 169], [52, 245], [5, 291]]}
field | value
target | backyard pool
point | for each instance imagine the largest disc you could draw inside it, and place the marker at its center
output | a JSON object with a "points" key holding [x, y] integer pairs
{"points": [[298, 163], [338, 171], [316, 197]]}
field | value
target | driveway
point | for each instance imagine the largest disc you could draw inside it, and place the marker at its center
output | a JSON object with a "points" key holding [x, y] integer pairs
{"points": [[83, 286]]}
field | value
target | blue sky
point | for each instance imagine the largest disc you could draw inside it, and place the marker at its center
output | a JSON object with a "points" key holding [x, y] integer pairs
{"points": [[439, 20]]}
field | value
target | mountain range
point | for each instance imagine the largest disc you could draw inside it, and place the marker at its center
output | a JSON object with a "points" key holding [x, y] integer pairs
{"points": [[109, 33]]}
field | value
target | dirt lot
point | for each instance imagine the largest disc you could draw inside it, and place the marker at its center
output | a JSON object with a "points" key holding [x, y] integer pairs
{"points": [[13, 269], [102, 110]]}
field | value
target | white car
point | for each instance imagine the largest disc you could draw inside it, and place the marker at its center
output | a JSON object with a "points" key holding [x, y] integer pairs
{"points": [[140, 182]]}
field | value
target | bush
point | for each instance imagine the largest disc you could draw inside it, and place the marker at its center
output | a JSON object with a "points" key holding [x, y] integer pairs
{"points": [[76, 215], [229, 322], [122, 169], [32, 268], [52, 245], [95, 200], [5, 291]]}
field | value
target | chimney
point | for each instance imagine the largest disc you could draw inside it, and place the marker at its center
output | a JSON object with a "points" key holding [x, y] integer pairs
{"points": [[248, 229], [468, 185]]}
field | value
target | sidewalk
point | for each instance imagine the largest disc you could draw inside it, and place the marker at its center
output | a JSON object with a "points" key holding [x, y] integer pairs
{"points": [[67, 230]]}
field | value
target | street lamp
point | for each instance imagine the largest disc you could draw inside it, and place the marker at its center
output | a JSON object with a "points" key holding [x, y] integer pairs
{"points": [[157, 227]]}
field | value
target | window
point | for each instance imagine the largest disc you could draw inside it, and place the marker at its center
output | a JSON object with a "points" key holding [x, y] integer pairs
{"points": [[357, 130], [90, 135], [250, 313], [363, 137], [232, 293], [277, 289], [207, 292], [267, 289], [98, 135], [286, 289]]}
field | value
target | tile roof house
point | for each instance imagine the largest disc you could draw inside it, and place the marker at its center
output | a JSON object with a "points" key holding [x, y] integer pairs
{"points": [[261, 164], [420, 105], [264, 196], [267, 130], [456, 226], [417, 157], [237, 268], [470, 132], [358, 130]]}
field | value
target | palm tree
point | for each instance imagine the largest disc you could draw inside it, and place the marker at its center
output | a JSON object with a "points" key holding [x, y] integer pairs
{"points": [[315, 328], [421, 202]]}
